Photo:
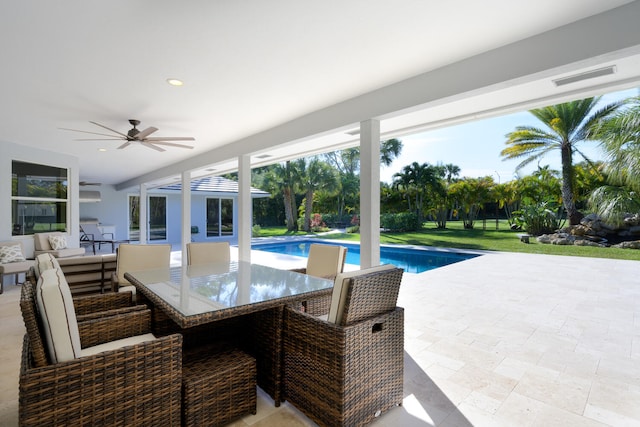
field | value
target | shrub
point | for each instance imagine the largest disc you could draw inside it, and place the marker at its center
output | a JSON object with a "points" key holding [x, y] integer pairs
{"points": [[405, 221], [354, 229], [539, 218], [255, 231]]}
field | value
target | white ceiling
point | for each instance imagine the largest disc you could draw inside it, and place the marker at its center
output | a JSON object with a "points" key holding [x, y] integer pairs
{"points": [[288, 77]]}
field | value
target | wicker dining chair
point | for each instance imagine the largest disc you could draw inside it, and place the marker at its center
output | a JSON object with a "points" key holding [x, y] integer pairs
{"points": [[136, 384], [133, 257], [349, 372]]}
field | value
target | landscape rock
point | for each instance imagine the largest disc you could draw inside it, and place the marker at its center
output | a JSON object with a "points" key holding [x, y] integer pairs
{"points": [[592, 231]]}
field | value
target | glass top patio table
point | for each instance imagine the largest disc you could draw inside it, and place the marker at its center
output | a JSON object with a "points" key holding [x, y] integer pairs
{"points": [[194, 295]]}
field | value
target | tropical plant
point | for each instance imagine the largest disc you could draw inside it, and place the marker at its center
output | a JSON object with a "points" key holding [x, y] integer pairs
{"points": [[566, 125], [347, 162], [282, 178], [404, 221], [314, 175], [417, 181], [620, 135], [538, 218], [471, 194]]}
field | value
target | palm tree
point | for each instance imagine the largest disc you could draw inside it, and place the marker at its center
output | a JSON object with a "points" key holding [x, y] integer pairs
{"points": [[451, 172], [347, 162], [418, 180], [314, 176], [281, 178], [567, 125], [471, 194], [620, 135]]}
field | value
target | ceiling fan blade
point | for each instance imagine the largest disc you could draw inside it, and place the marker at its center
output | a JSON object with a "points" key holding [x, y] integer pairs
{"points": [[146, 144], [84, 131], [148, 131], [170, 144], [125, 145], [170, 138], [112, 130], [100, 139]]}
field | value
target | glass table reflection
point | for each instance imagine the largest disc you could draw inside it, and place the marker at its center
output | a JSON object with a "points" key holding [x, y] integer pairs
{"points": [[194, 295]]}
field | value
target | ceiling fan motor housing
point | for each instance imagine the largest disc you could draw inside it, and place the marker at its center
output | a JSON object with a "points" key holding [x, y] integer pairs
{"points": [[133, 132]]}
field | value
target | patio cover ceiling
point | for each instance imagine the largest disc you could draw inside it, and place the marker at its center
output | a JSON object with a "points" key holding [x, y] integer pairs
{"points": [[281, 79]]}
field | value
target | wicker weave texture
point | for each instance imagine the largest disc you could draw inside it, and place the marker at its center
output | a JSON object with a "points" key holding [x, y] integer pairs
{"points": [[133, 385], [219, 385], [372, 294], [343, 375]]}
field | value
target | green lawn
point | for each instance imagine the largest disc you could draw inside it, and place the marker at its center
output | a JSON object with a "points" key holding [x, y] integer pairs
{"points": [[455, 236]]}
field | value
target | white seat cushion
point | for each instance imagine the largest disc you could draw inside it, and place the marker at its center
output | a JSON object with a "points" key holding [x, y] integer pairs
{"points": [[341, 289], [114, 345], [58, 316]]}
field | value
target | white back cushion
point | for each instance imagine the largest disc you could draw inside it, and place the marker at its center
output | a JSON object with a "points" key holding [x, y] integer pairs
{"points": [[58, 316], [132, 257], [206, 253], [341, 289], [325, 260], [45, 262]]}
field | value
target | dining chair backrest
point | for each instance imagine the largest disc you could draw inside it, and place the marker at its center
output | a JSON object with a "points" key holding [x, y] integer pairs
{"points": [[325, 260], [200, 253], [132, 257], [362, 294]]}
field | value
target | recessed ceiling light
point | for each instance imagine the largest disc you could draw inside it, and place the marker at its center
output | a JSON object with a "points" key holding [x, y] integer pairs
{"points": [[102, 149], [264, 156], [210, 169], [175, 82]]}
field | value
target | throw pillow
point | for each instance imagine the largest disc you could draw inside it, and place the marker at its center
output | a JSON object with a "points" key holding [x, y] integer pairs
{"points": [[11, 253], [57, 242]]}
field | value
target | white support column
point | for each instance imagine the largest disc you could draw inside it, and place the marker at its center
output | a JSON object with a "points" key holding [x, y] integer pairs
{"points": [[244, 208], [186, 214], [143, 220], [369, 193]]}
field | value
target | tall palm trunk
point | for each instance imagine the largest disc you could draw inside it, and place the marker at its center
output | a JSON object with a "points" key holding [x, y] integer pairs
{"points": [[567, 184], [288, 209]]}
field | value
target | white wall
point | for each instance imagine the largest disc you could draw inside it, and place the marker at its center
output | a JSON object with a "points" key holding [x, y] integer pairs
{"points": [[113, 210], [11, 152]]}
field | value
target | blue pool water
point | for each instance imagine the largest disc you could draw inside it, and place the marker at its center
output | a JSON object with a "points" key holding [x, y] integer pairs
{"points": [[412, 260]]}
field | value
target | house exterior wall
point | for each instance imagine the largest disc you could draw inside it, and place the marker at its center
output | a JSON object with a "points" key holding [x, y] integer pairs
{"points": [[114, 207]]}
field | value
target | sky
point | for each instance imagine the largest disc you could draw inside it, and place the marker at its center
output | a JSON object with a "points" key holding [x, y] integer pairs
{"points": [[475, 147]]}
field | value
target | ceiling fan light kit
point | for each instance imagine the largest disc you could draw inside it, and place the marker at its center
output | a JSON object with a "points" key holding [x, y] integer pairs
{"points": [[136, 136]]}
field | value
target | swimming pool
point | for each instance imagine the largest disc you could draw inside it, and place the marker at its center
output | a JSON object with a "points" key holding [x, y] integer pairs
{"points": [[412, 260]]}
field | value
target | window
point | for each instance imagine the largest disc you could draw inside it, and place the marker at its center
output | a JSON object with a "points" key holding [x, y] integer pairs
{"points": [[219, 217], [39, 198], [157, 218]]}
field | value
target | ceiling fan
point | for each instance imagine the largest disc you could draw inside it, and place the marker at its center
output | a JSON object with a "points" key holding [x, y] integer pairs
{"points": [[134, 136]]}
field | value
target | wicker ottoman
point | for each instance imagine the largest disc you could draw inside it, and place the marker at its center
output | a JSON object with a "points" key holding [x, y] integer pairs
{"points": [[218, 385]]}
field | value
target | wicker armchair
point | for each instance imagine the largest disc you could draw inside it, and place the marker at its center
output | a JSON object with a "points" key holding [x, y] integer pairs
{"points": [[132, 385], [349, 372]]}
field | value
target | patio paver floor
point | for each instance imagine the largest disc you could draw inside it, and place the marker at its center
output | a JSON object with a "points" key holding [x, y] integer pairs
{"points": [[503, 339]]}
